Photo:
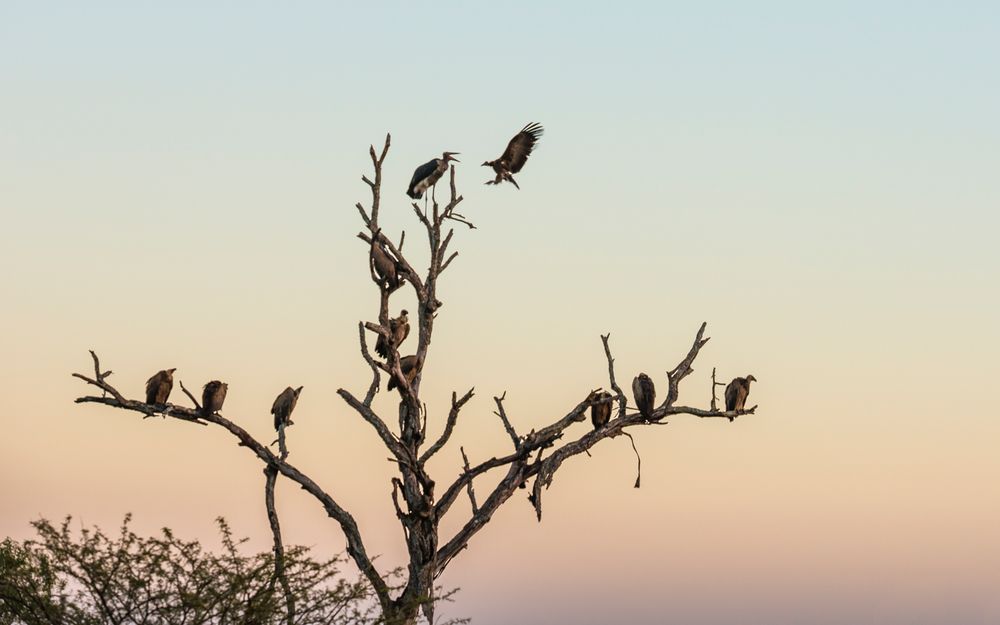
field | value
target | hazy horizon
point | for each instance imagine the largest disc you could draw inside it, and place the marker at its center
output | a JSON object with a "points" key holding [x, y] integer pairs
{"points": [[818, 184]]}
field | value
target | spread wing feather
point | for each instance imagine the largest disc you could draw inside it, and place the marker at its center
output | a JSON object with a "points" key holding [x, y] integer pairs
{"points": [[520, 147]]}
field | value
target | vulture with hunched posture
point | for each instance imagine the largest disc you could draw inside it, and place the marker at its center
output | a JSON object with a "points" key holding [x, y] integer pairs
{"points": [[283, 406], [213, 396], [600, 414], [159, 386], [399, 328], [737, 392], [427, 175], [645, 394], [385, 266], [516, 154], [408, 365]]}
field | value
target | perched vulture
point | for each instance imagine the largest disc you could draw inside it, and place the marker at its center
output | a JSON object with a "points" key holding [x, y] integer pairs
{"points": [[408, 365], [516, 154], [159, 386], [600, 414], [213, 396], [645, 394], [399, 328], [385, 265], [283, 406], [737, 392], [427, 175]]}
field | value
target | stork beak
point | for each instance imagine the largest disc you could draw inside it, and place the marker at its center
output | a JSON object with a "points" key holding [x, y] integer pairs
{"points": [[451, 156]]}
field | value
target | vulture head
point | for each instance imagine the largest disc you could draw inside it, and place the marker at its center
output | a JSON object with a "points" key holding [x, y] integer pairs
{"points": [[297, 391], [750, 378], [487, 164], [170, 372], [450, 156], [403, 313]]}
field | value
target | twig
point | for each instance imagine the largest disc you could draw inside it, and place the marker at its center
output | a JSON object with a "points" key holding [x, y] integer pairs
{"points": [[194, 401], [638, 459], [622, 402], [471, 490], [376, 377], [714, 384], [448, 262], [683, 369], [456, 407], [500, 412]]}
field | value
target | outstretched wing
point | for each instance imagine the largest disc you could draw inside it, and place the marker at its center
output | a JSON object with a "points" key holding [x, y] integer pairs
{"points": [[519, 148]]}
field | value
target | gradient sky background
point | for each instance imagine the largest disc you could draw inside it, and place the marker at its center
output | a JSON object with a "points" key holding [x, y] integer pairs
{"points": [[821, 185]]}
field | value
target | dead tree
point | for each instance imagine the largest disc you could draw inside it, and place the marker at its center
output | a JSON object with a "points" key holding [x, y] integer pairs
{"points": [[419, 504]]}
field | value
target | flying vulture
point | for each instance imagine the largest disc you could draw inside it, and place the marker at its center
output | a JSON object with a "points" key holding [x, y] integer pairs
{"points": [[408, 365], [516, 154], [399, 328], [213, 396], [159, 386], [645, 394], [736, 393], [600, 414], [283, 406], [385, 266], [427, 175]]}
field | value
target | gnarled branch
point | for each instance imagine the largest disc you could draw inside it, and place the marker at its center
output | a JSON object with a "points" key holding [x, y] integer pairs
{"points": [[355, 545]]}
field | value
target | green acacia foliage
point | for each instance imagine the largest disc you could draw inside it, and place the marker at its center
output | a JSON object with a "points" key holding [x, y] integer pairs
{"points": [[89, 578]]}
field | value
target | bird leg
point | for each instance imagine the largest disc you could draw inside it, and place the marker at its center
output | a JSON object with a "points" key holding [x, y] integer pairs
{"points": [[512, 181]]}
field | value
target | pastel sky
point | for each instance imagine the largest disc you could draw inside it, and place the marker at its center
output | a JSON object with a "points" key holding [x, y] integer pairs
{"points": [[819, 184]]}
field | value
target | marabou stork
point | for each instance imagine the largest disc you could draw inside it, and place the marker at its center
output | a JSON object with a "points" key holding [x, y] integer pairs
{"points": [[426, 176]]}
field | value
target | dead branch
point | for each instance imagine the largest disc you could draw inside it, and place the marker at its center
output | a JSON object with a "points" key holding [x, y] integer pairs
{"points": [[622, 402], [456, 407], [714, 384], [638, 460], [376, 378], [194, 401], [355, 544], [683, 369], [500, 412], [271, 476], [472, 491]]}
